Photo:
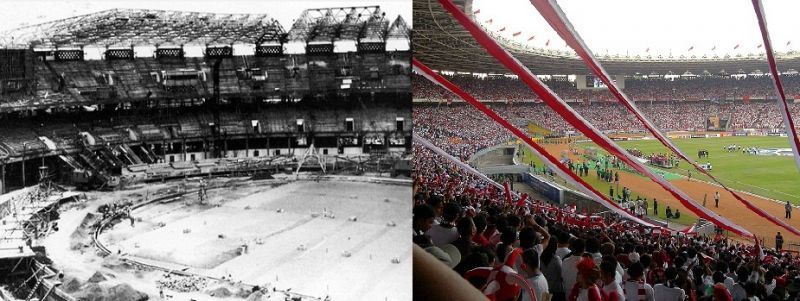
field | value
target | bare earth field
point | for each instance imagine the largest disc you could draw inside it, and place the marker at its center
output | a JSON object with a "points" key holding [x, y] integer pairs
{"points": [[291, 244]]}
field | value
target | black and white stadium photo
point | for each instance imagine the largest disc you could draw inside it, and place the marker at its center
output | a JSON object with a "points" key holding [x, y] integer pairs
{"points": [[205, 150]]}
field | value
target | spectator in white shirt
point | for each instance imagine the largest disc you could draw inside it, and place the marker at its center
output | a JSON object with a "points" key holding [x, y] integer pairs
{"points": [[667, 291], [534, 276], [635, 289], [608, 274], [563, 244], [445, 232], [569, 266]]}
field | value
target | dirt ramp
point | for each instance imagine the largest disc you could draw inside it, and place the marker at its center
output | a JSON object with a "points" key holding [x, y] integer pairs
{"points": [[82, 236]]}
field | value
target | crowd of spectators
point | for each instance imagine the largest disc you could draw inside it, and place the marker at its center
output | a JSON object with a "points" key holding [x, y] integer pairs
{"points": [[612, 117], [565, 261], [672, 110], [465, 222], [491, 88], [499, 87]]}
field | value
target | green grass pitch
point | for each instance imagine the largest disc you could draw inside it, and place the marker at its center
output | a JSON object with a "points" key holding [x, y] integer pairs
{"points": [[774, 177]]}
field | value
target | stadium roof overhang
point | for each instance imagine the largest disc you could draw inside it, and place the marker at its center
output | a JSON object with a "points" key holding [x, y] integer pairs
{"points": [[343, 28], [441, 43]]}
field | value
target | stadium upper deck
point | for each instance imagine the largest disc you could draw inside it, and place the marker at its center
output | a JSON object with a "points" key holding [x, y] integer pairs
{"points": [[169, 86], [159, 58], [442, 44]]}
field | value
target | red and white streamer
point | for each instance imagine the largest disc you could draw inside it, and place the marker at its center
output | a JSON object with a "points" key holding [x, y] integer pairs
{"points": [[551, 162], [552, 12], [794, 141], [577, 121]]}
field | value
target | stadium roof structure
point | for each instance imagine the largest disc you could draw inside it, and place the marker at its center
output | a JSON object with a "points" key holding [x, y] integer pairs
{"points": [[441, 43], [123, 28], [327, 24], [399, 29], [127, 27]]}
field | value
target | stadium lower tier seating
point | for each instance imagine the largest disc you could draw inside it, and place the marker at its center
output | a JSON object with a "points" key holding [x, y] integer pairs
{"points": [[639, 89], [613, 117], [467, 224]]}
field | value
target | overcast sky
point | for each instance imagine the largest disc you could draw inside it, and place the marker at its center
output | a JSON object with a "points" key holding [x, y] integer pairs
{"points": [[18, 13], [631, 26]]}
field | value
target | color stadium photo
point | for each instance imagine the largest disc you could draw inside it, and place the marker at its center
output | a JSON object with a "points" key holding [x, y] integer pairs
{"points": [[606, 150], [200, 150]]}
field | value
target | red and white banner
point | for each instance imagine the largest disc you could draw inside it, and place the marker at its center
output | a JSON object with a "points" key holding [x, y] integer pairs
{"points": [[551, 162], [550, 10], [574, 119], [794, 141]]}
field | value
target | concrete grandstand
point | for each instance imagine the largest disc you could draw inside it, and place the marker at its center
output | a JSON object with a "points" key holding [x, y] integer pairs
{"points": [[121, 114]]}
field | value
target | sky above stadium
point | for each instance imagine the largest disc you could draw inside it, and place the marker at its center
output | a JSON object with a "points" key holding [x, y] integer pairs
{"points": [[21, 13], [680, 27]]}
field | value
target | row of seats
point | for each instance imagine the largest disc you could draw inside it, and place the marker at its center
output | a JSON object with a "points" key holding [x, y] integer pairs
{"points": [[23, 135]]}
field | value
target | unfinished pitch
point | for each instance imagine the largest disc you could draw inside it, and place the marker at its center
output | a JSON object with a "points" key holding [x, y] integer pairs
{"points": [[343, 239]]}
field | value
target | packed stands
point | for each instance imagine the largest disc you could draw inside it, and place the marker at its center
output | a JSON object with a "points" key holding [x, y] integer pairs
{"points": [[672, 115], [502, 88], [466, 223]]}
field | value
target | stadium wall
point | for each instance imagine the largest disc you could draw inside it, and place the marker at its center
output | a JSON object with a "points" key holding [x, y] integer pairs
{"points": [[553, 191], [557, 193]]}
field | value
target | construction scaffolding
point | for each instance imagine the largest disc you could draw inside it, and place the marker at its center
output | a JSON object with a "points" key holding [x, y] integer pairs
{"points": [[127, 27], [27, 214]]}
